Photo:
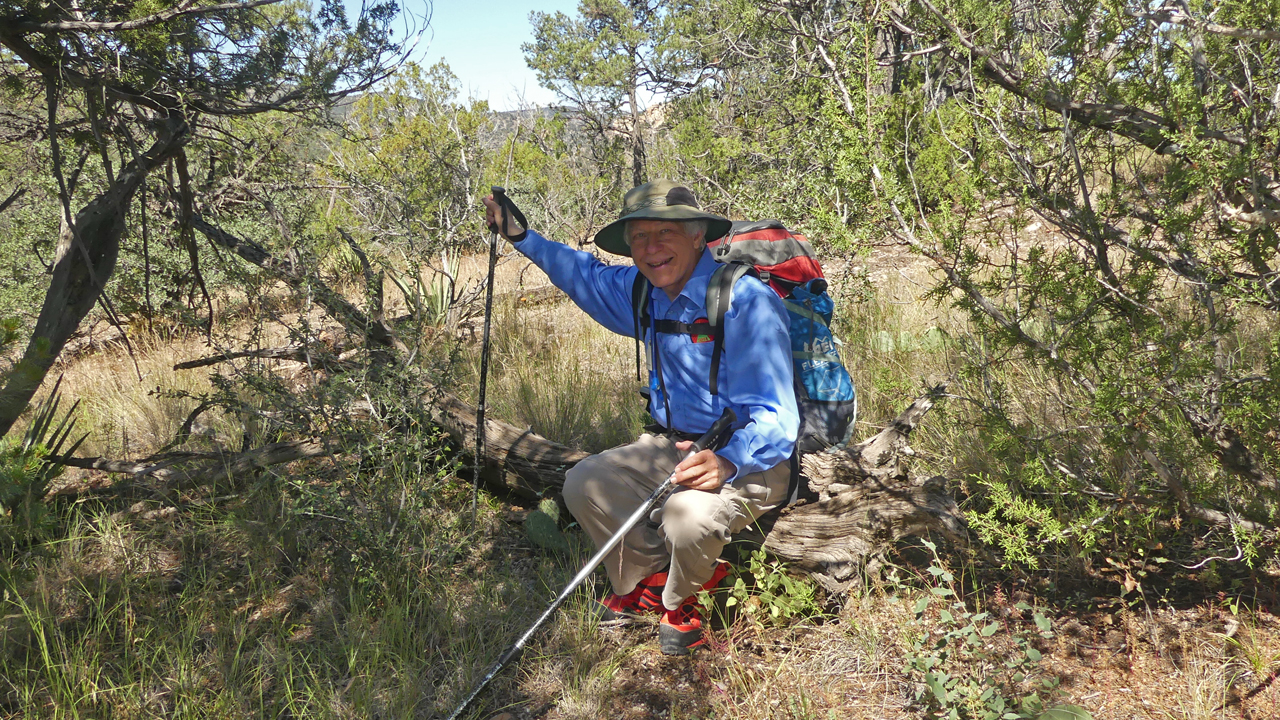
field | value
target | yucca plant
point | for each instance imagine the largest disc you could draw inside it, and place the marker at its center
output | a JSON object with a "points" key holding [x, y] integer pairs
{"points": [[431, 302], [28, 466]]}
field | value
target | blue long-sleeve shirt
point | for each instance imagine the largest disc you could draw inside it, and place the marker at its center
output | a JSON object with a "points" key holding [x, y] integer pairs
{"points": [[755, 368]]}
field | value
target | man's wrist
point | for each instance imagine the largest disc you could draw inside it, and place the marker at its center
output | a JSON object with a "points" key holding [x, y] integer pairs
{"points": [[727, 469]]}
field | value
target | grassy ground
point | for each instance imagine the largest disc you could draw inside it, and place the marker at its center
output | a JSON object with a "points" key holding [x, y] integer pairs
{"points": [[358, 586]]}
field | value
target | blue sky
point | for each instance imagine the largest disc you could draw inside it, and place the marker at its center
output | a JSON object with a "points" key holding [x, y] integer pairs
{"points": [[481, 43]]}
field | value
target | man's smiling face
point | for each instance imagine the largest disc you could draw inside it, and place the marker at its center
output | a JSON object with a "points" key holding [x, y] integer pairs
{"points": [[665, 252]]}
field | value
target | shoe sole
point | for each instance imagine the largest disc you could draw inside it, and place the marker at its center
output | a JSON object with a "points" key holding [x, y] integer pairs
{"points": [[679, 642]]}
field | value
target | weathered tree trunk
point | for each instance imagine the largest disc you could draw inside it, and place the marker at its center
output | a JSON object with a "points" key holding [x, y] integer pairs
{"points": [[86, 258], [861, 499]]}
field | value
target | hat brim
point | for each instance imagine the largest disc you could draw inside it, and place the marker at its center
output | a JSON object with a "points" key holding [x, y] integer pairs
{"points": [[613, 237]]}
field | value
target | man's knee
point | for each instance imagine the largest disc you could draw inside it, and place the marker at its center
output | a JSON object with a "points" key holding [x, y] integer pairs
{"points": [[690, 516], [582, 483]]}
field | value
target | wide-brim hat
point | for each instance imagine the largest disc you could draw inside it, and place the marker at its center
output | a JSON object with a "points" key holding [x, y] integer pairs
{"points": [[658, 200]]}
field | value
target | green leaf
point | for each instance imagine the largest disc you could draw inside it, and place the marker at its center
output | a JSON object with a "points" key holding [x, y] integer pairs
{"points": [[1042, 623], [921, 604], [990, 630], [1033, 654], [937, 683], [945, 615]]}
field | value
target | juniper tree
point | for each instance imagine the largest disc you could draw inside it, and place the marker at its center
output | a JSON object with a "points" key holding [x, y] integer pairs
{"points": [[127, 87]]}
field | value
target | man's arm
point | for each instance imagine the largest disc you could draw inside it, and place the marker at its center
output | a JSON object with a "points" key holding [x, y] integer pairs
{"points": [[602, 291]]}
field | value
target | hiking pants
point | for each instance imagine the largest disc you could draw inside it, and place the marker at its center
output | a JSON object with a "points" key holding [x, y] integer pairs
{"points": [[687, 532]]}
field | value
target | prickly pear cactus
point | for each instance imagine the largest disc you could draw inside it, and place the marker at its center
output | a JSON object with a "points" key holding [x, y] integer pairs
{"points": [[543, 527]]}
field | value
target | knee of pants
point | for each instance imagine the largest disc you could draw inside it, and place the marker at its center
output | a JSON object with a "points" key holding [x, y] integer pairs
{"points": [[688, 518], [581, 483]]}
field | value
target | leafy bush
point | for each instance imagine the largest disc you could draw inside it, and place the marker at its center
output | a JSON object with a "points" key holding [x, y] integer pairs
{"points": [[767, 595], [970, 665]]}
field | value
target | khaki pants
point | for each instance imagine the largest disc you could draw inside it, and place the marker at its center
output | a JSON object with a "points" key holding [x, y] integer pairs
{"points": [[688, 531]]}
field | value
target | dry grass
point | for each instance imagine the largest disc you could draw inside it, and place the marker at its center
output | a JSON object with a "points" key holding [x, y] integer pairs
{"points": [[125, 415]]}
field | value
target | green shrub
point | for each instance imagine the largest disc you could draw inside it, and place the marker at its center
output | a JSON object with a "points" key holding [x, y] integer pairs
{"points": [[26, 471], [969, 665], [768, 596]]}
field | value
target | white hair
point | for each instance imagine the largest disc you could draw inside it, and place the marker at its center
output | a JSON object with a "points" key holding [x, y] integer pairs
{"points": [[694, 228]]}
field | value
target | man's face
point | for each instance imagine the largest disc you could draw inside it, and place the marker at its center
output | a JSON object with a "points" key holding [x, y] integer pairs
{"points": [[665, 252]]}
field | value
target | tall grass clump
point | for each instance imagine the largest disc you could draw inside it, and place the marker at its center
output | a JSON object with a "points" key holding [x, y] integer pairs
{"points": [[123, 416], [559, 373]]}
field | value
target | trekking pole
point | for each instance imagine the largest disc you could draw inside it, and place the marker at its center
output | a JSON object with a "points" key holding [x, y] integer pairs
{"points": [[504, 204], [726, 419]]}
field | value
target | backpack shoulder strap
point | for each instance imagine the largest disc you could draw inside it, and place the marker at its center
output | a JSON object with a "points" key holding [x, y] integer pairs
{"points": [[640, 311], [719, 295]]}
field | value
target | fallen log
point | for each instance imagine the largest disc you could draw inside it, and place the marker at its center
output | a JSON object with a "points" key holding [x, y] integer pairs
{"points": [[317, 353], [861, 499]]}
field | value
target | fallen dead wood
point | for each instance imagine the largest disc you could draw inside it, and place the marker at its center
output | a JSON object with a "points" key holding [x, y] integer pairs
{"points": [[519, 461], [862, 499], [541, 295], [184, 470]]}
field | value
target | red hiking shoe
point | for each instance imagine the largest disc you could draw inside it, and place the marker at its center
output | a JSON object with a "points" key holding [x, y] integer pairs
{"points": [[646, 598], [680, 630]]}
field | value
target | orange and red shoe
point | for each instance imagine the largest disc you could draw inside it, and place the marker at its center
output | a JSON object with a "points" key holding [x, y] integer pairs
{"points": [[680, 630], [646, 598]]}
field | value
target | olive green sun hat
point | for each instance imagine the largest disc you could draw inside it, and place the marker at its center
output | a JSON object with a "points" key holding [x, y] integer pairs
{"points": [[657, 200]]}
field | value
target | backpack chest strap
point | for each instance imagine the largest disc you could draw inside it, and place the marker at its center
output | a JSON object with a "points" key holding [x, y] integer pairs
{"points": [[673, 327]]}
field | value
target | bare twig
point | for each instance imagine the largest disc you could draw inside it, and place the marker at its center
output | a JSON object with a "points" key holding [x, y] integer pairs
{"points": [[13, 197], [214, 468], [184, 8]]}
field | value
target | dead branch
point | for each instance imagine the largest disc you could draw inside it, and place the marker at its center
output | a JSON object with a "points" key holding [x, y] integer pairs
{"points": [[13, 197], [1178, 16], [184, 8], [210, 468], [297, 353], [379, 333]]}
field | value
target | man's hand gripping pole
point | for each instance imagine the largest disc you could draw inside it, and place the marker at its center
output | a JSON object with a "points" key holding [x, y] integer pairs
{"points": [[707, 440]]}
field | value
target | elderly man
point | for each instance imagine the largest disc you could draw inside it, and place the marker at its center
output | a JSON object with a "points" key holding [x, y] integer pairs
{"points": [[661, 565]]}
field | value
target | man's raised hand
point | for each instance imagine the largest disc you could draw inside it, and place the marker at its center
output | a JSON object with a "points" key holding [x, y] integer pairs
{"points": [[493, 218]]}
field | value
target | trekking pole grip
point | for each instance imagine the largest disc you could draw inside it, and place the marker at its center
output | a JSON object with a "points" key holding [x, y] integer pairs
{"points": [[727, 418], [507, 206]]}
